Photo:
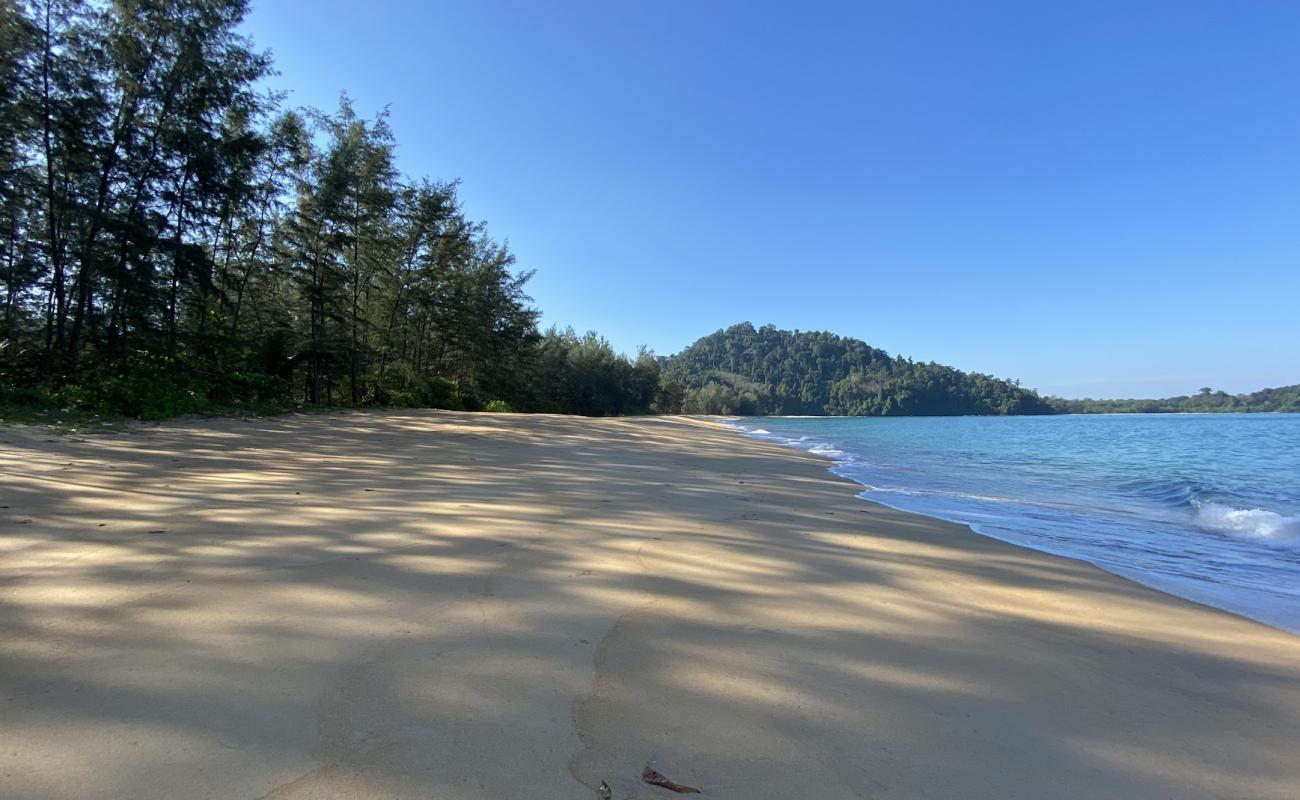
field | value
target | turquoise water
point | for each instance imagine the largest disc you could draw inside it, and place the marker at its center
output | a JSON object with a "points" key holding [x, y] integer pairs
{"points": [[1203, 506]]}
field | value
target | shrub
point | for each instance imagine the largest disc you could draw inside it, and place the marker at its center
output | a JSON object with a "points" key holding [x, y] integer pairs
{"points": [[145, 386], [440, 393], [499, 406]]}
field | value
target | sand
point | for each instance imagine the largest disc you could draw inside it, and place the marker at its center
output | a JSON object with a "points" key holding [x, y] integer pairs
{"points": [[438, 605]]}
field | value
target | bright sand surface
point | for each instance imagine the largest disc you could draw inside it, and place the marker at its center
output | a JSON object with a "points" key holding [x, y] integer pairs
{"points": [[437, 605]]}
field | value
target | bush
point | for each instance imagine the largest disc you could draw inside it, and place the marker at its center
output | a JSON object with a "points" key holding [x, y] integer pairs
{"points": [[25, 396], [499, 406], [400, 389], [235, 388], [147, 397], [144, 386], [440, 393]]}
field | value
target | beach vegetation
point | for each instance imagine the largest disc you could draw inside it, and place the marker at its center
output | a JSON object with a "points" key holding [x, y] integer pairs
{"points": [[173, 238]]}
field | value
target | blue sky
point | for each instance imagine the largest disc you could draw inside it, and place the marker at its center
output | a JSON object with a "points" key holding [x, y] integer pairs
{"points": [[1098, 198]]}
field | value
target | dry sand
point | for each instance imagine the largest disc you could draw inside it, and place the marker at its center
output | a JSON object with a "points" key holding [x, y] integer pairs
{"points": [[436, 605]]}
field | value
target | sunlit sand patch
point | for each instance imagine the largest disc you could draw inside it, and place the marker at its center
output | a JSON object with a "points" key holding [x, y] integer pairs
{"points": [[520, 597]]}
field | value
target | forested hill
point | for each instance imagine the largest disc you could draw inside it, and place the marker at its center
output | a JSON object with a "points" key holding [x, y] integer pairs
{"points": [[748, 370]]}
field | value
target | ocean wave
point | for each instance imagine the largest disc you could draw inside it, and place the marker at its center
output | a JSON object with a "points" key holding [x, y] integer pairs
{"points": [[940, 497], [803, 442], [1257, 524], [826, 450], [1163, 492]]}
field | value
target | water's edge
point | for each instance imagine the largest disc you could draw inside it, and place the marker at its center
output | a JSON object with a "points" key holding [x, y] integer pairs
{"points": [[1170, 588]]}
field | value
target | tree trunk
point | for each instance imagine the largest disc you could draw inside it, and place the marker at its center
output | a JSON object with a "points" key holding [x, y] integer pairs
{"points": [[56, 305]]}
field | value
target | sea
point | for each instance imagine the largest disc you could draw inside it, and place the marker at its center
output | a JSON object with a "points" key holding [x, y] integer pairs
{"points": [[1202, 506]]}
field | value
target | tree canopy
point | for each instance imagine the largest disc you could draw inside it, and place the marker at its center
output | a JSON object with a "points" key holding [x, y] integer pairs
{"points": [[173, 238]]}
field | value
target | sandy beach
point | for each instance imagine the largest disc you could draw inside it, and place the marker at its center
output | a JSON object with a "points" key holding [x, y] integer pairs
{"points": [[440, 605]]}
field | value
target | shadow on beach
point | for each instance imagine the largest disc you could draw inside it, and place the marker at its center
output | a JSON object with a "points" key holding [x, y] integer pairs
{"points": [[430, 604]]}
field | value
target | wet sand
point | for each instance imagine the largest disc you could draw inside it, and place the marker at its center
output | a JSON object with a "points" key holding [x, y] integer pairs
{"points": [[439, 605]]}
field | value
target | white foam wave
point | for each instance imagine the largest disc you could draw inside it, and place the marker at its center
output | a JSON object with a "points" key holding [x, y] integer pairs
{"points": [[1252, 523], [803, 442], [825, 450]]}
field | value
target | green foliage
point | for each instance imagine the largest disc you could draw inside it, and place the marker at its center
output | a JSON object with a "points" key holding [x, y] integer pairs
{"points": [[25, 397], [717, 398], [143, 386], [746, 370], [669, 395], [574, 374], [498, 406], [413, 391], [169, 241], [1284, 399]]}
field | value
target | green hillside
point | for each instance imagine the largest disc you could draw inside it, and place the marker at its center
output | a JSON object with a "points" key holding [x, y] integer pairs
{"points": [[748, 370]]}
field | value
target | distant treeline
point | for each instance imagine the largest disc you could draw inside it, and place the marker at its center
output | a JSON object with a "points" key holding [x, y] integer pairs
{"points": [[1281, 399]]}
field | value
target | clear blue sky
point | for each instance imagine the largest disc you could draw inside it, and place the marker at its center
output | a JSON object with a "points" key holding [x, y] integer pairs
{"points": [[1097, 198]]}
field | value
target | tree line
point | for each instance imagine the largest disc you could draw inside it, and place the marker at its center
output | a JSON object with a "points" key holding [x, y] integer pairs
{"points": [[173, 239], [1283, 399]]}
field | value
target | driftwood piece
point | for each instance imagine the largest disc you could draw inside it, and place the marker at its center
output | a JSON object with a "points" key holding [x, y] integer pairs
{"points": [[653, 777]]}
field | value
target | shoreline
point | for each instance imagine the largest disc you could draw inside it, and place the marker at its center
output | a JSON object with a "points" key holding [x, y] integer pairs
{"points": [[860, 490], [468, 605], [1172, 586]]}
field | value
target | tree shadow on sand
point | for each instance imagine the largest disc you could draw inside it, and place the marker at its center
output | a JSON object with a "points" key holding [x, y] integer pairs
{"points": [[441, 605]]}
